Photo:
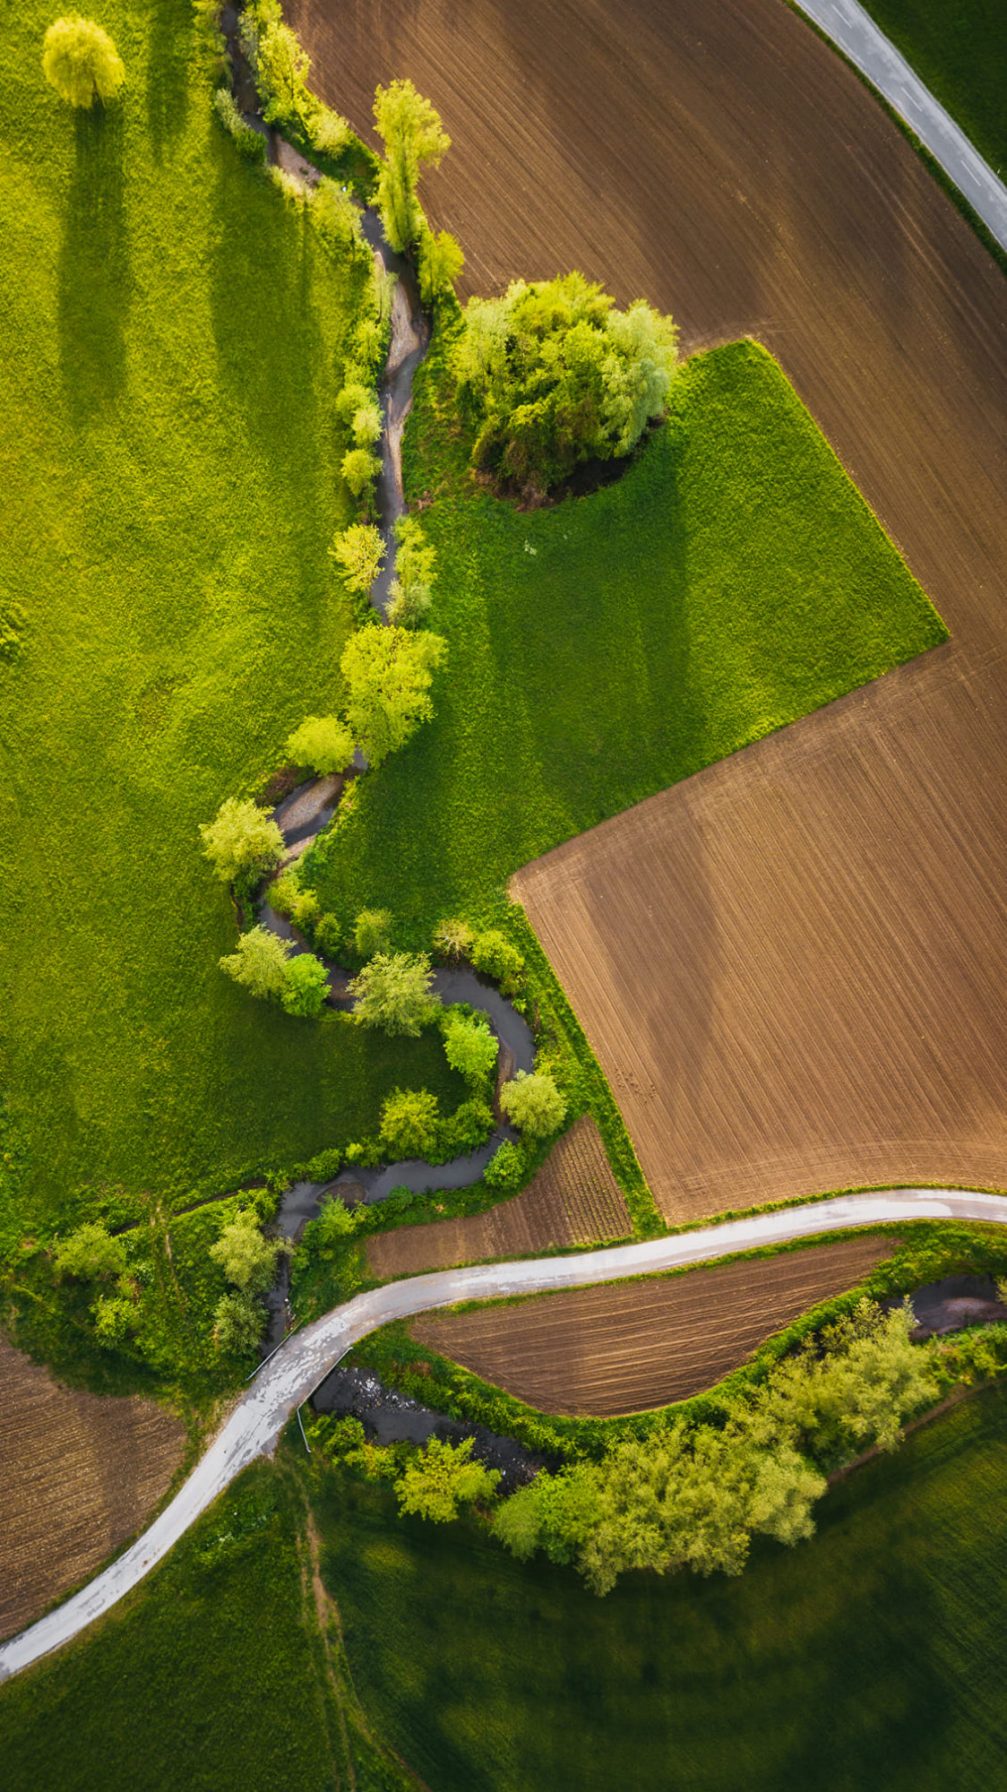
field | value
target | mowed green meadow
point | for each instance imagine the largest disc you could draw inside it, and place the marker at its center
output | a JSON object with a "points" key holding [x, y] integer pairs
{"points": [[730, 581], [171, 343], [872, 1656]]}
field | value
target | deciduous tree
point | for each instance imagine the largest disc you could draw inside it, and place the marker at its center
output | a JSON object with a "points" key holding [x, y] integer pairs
{"points": [[90, 1254], [81, 62], [388, 672], [409, 1121], [470, 1046], [414, 138], [322, 742], [533, 1103], [259, 964], [245, 1256], [393, 992], [442, 1478], [242, 841]]}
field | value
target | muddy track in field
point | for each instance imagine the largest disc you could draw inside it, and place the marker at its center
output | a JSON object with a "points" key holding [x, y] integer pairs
{"points": [[790, 966]]}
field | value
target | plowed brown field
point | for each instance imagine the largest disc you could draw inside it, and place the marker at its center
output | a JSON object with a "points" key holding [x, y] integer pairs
{"points": [[792, 966], [639, 1344], [78, 1475], [574, 1199]]}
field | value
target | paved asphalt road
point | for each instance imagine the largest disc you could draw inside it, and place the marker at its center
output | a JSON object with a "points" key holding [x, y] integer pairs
{"points": [[867, 47], [254, 1424]]}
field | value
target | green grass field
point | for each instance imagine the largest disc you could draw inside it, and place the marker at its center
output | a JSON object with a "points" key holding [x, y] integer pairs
{"points": [[171, 338], [730, 581], [959, 48], [211, 1679], [873, 1656]]}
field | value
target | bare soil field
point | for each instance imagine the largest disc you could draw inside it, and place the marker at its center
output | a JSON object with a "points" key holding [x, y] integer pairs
{"points": [[574, 1199], [79, 1473], [633, 1345], [789, 966]]}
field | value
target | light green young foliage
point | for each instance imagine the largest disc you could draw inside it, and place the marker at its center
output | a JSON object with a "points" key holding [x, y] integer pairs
{"points": [[359, 468], [367, 424], [116, 1318], [442, 1478], [441, 262], [287, 898], [237, 1323], [533, 1103], [393, 993], [81, 62], [372, 931], [415, 560], [413, 138], [470, 1046], [282, 67], [409, 1121], [306, 987], [246, 1258], [497, 957], [241, 840], [388, 673], [335, 217], [322, 742], [90, 1254], [453, 938], [359, 552], [259, 964]]}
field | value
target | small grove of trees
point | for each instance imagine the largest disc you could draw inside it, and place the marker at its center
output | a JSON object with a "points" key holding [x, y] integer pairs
{"points": [[324, 743], [414, 138], [692, 1496], [393, 993], [533, 1103], [262, 964], [551, 375], [388, 672], [248, 1260], [81, 62], [242, 842]]}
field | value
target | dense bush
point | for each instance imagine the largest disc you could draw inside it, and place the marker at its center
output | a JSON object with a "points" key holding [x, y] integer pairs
{"points": [[442, 1478], [306, 987], [81, 62], [470, 1046], [497, 957], [324, 743], [409, 1123], [250, 142], [506, 1168], [441, 259], [412, 586], [533, 1103], [372, 932], [393, 992], [551, 374]]}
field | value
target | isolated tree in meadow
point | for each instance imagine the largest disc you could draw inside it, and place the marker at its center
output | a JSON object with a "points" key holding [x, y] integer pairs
{"points": [[372, 931], [533, 1103], [90, 1254], [414, 138], [388, 673], [393, 993], [245, 1256], [442, 1478], [409, 1122], [306, 986], [441, 261], [238, 1320], [81, 62], [259, 964], [551, 375], [470, 1046], [322, 742], [241, 841]]}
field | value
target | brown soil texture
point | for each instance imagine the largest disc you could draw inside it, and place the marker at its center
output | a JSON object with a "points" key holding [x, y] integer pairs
{"points": [[574, 1199], [630, 1346], [791, 967], [79, 1474]]}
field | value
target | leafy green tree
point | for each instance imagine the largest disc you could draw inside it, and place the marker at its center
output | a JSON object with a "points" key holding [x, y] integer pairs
{"points": [[409, 1123], [245, 1256], [322, 742], [242, 841], [388, 672], [334, 214], [238, 1320], [372, 931], [116, 1319], [259, 964], [281, 67], [413, 137], [354, 394], [392, 992], [359, 468], [533, 1103], [367, 424], [412, 586], [495, 956], [441, 262], [81, 62], [306, 987], [507, 1166], [90, 1254], [442, 1478], [470, 1046], [288, 898], [551, 375], [453, 938]]}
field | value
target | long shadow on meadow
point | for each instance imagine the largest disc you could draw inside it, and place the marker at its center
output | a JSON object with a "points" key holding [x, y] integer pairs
{"points": [[94, 276]]}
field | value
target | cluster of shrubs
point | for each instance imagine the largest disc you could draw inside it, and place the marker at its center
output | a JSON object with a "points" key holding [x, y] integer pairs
{"points": [[281, 67]]}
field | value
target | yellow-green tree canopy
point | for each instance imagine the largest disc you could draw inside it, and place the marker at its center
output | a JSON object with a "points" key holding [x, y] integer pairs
{"points": [[241, 840], [413, 137], [388, 673], [322, 742], [81, 62]]}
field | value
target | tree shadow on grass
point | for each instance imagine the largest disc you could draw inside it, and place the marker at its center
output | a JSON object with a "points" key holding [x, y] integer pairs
{"points": [[170, 45], [94, 272]]}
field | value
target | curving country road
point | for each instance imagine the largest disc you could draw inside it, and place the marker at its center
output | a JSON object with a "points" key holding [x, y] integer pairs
{"points": [[254, 1424]]}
